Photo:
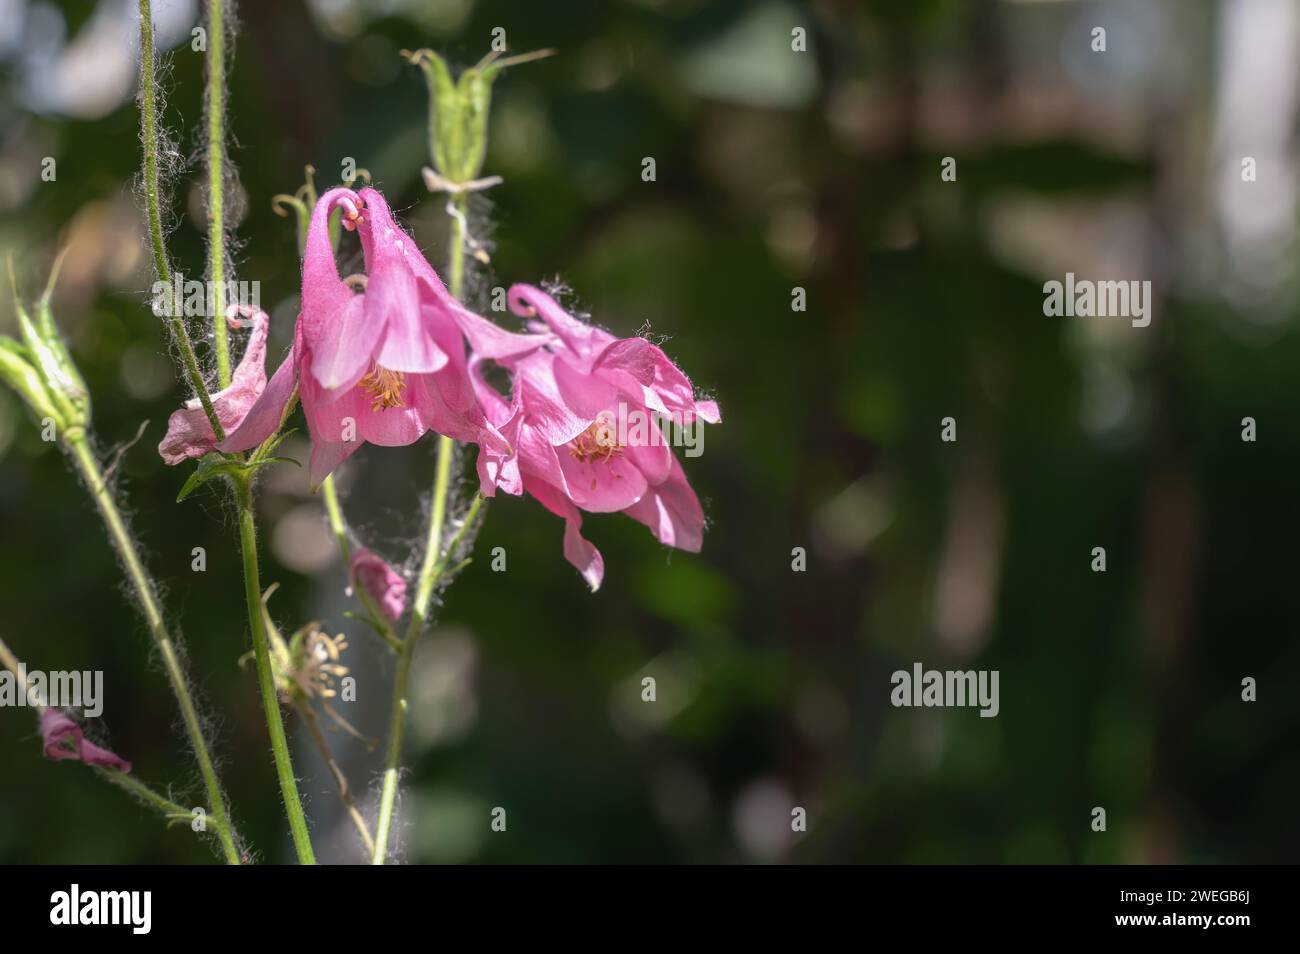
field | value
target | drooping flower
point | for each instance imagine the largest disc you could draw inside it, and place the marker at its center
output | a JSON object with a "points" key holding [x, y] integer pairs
{"points": [[384, 585], [582, 417], [63, 739], [189, 432], [381, 358]]}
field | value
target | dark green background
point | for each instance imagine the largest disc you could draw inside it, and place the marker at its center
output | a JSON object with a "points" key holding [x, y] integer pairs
{"points": [[775, 169]]}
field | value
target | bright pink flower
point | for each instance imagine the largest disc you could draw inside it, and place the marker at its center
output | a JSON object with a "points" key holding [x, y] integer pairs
{"points": [[383, 364], [384, 585], [189, 432], [63, 739], [581, 420]]}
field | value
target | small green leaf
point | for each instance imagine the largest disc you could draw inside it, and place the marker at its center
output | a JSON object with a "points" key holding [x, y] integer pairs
{"points": [[209, 468]]}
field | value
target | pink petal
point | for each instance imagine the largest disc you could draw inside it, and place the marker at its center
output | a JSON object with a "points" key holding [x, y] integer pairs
{"points": [[264, 417], [654, 458], [632, 355], [392, 293], [583, 340], [334, 329], [539, 458], [672, 512], [497, 409], [343, 348], [577, 549], [498, 461], [586, 395], [491, 341], [545, 408], [189, 432], [326, 456], [63, 739], [708, 410], [602, 486], [349, 418]]}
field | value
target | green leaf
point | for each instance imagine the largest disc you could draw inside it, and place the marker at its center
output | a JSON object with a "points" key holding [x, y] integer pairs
{"points": [[209, 468]]}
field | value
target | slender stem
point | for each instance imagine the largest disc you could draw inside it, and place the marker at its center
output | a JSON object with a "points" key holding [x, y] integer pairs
{"points": [[132, 785], [340, 780], [10, 662], [456, 269], [339, 528], [149, 133], [149, 121], [146, 593], [265, 676], [216, 161], [419, 612]]}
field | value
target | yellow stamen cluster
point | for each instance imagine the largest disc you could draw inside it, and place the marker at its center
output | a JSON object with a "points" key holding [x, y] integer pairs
{"points": [[384, 387], [597, 442], [320, 664]]}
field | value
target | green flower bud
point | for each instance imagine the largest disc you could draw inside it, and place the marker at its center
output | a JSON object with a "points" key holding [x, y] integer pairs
{"points": [[58, 386], [17, 372], [458, 110], [43, 348], [70, 379]]}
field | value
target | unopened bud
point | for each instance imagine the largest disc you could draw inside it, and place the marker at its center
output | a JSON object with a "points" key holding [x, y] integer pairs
{"points": [[19, 374]]}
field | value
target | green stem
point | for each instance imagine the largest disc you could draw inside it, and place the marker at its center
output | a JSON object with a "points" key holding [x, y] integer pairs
{"points": [[335, 512], [265, 676], [141, 791], [132, 785], [456, 271], [149, 133], [216, 160], [401, 681], [146, 593]]}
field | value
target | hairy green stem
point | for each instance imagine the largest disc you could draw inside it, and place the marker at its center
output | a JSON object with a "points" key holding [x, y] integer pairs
{"points": [[149, 134], [146, 593], [133, 786], [216, 161], [265, 675]]}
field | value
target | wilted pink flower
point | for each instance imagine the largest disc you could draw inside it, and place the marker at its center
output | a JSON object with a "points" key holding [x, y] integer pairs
{"points": [[63, 739], [385, 363], [384, 585], [569, 417], [189, 432]]}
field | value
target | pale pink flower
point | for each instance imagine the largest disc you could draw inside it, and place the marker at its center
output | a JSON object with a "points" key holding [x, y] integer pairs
{"points": [[189, 432], [384, 585], [567, 421], [64, 739]]}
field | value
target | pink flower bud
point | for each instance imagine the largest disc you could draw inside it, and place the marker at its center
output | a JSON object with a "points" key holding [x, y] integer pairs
{"points": [[63, 739], [382, 583]]}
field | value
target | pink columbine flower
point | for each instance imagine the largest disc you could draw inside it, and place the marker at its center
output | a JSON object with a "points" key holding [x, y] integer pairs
{"points": [[384, 585], [381, 359], [580, 418], [189, 432], [64, 739]]}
